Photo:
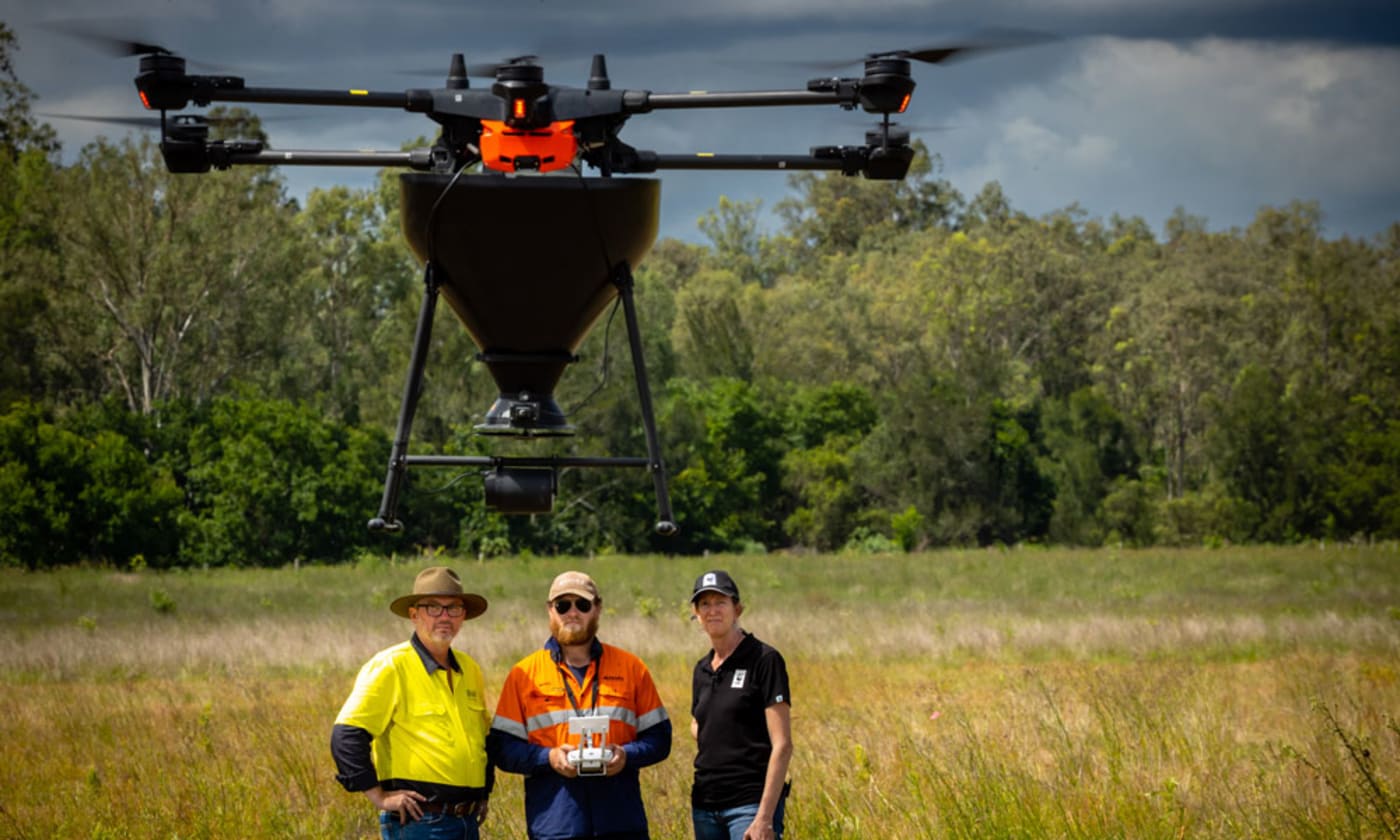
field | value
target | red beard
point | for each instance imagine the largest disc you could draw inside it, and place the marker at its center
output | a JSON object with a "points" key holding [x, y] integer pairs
{"points": [[574, 635]]}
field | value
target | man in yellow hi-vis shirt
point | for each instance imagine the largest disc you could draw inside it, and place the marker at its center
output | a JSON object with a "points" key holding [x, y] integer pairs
{"points": [[412, 735]]}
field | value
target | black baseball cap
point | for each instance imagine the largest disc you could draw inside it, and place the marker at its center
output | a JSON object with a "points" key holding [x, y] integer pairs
{"points": [[715, 581]]}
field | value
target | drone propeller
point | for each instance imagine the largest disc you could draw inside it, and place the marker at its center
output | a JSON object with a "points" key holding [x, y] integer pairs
{"points": [[172, 119], [489, 71], [981, 41], [100, 36], [138, 122], [477, 71]]}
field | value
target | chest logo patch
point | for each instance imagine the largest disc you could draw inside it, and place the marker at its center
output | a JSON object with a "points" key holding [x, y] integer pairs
{"points": [[739, 676]]}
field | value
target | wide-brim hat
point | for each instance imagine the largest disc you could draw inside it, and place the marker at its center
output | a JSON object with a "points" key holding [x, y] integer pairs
{"points": [[717, 580], [441, 582]]}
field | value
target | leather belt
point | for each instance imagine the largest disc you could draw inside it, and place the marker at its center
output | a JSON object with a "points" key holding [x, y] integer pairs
{"points": [[454, 809]]}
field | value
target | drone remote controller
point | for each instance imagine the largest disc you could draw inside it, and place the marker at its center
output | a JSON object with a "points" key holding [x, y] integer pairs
{"points": [[593, 753]]}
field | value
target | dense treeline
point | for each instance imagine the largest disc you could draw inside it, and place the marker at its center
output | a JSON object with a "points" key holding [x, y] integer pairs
{"points": [[199, 370]]}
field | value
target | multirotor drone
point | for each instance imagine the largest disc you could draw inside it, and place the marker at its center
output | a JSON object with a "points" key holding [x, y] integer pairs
{"points": [[479, 233]]}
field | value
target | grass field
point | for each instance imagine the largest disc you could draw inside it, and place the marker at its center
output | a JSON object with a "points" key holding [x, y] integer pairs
{"points": [[1241, 692]]}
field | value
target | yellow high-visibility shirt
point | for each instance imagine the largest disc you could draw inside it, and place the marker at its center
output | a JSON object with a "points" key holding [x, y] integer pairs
{"points": [[427, 725]]}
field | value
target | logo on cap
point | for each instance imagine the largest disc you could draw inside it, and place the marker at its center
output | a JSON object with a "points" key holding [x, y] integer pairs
{"points": [[709, 579]]}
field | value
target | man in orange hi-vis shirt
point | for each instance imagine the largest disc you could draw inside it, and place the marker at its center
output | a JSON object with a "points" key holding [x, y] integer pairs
{"points": [[581, 778]]}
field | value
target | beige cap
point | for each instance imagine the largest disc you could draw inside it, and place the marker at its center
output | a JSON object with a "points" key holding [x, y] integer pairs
{"points": [[574, 583]]}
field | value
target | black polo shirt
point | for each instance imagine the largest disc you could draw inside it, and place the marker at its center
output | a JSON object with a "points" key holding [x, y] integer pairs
{"points": [[733, 744]]}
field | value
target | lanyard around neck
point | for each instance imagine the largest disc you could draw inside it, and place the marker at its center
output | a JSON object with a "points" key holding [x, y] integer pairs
{"points": [[597, 663]]}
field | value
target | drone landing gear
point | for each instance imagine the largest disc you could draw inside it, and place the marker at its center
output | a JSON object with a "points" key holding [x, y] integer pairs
{"points": [[520, 484]]}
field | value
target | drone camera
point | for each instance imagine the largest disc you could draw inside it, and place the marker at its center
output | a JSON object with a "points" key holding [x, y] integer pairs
{"points": [[524, 414], [521, 489]]}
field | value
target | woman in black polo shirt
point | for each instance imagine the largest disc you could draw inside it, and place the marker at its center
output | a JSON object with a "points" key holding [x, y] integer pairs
{"points": [[741, 717]]}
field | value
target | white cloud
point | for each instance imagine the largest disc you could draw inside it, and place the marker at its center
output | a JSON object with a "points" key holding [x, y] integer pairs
{"points": [[1140, 127]]}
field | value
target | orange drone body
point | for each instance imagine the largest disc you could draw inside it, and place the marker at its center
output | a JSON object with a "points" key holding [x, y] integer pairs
{"points": [[546, 149]]}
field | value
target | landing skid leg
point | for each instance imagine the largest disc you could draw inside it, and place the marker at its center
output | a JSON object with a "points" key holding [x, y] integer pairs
{"points": [[665, 520], [387, 520]]}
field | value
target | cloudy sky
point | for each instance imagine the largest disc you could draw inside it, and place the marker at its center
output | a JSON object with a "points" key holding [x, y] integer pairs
{"points": [[1215, 106]]}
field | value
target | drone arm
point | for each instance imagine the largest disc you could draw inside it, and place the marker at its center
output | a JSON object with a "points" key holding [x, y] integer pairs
{"points": [[408, 100], [844, 95], [165, 86], [419, 159], [887, 163], [850, 163], [201, 156]]}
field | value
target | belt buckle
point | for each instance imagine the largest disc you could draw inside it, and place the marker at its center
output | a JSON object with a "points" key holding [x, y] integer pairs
{"points": [[459, 809]]}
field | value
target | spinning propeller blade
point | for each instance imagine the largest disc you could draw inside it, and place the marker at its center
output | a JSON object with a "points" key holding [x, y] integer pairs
{"points": [[102, 36], [938, 53]]}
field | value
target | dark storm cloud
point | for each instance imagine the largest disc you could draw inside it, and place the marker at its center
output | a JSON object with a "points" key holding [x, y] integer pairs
{"points": [[1132, 108]]}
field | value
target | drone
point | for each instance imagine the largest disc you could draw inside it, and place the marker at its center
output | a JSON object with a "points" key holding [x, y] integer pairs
{"points": [[478, 205]]}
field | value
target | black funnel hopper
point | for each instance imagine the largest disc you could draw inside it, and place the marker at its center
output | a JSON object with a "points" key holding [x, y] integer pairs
{"points": [[527, 263]]}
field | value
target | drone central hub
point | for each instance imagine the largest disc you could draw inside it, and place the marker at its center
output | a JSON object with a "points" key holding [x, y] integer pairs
{"points": [[505, 148]]}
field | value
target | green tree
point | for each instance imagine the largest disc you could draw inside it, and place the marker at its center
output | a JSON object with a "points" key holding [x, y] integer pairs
{"points": [[739, 246], [834, 213], [1174, 343], [29, 259], [357, 273], [177, 284], [725, 456], [28, 151], [825, 424], [270, 482], [19, 132], [81, 493], [713, 333], [1089, 451]]}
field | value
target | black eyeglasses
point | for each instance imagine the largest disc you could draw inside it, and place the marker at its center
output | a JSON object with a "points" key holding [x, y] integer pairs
{"points": [[563, 605], [435, 610]]}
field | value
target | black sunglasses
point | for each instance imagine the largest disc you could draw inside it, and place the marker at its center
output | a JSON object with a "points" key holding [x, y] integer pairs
{"points": [[563, 605]]}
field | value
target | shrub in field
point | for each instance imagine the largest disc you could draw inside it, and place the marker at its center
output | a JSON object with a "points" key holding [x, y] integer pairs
{"points": [[77, 493], [270, 481]]}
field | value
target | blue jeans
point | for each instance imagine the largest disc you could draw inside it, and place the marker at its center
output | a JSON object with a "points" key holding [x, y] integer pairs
{"points": [[430, 827], [731, 823]]}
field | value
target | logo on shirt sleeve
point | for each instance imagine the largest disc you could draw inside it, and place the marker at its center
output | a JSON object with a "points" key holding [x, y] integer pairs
{"points": [[739, 676]]}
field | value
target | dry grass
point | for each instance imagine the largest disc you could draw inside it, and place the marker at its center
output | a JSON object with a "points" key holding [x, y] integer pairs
{"points": [[1264, 707]]}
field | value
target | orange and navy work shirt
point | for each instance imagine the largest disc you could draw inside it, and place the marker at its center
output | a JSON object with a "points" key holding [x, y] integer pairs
{"points": [[539, 697], [542, 693]]}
